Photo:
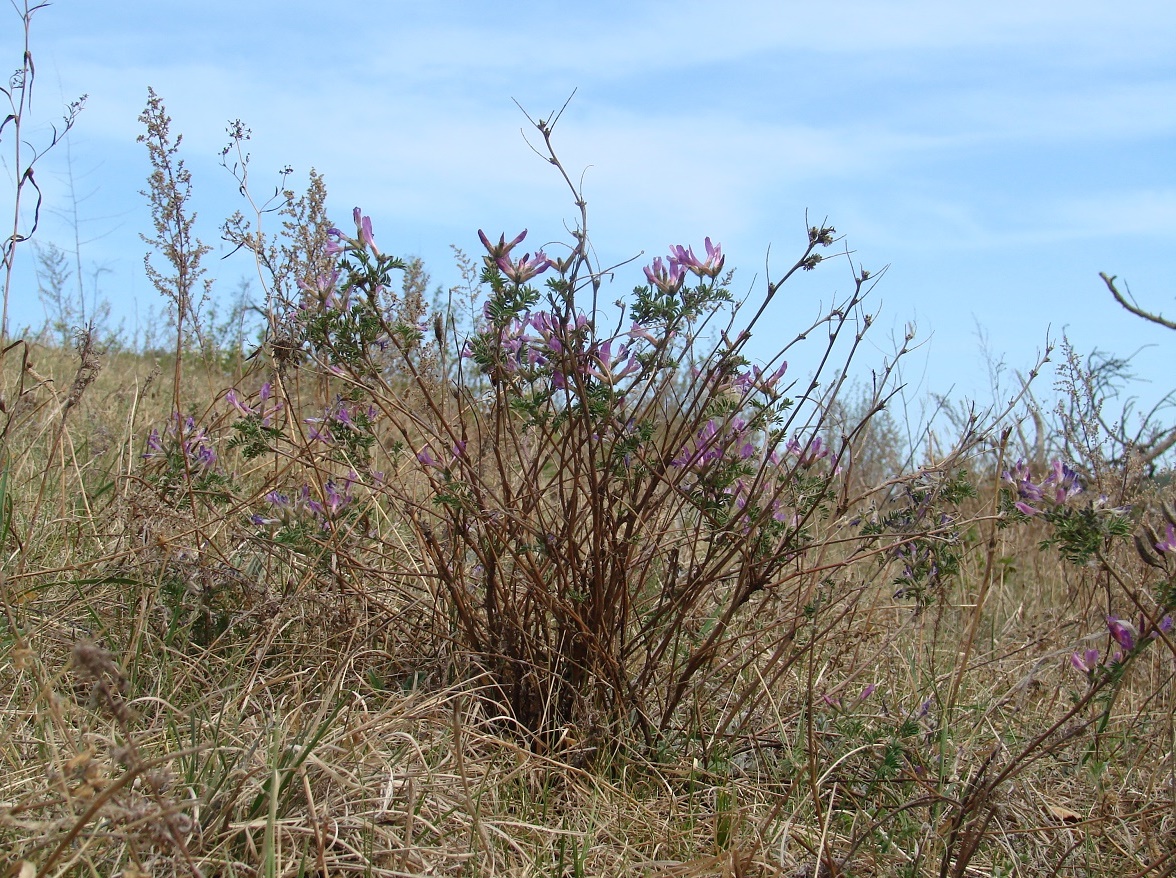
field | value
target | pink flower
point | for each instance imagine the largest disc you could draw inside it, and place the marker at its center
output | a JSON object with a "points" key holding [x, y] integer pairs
{"points": [[1085, 661], [669, 278], [685, 257], [637, 331], [363, 225], [500, 249], [335, 244], [1122, 632], [524, 269], [770, 381], [235, 401], [808, 455], [714, 259], [612, 369]]}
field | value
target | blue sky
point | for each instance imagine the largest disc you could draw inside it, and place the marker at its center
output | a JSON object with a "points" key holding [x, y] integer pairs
{"points": [[995, 155]]}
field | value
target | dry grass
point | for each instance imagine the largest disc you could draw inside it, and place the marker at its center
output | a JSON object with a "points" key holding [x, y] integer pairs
{"points": [[301, 737]]}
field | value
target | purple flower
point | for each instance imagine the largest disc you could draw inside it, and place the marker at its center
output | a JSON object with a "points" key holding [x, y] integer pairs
{"points": [[1085, 661], [1164, 626], [1122, 632], [668, 279], [335, 239], [235, 401], [500, 249], [610, 368], [154, 444], [770, 381], [685, 257], [363, 225], [1022, 479], [808, 455], [275, 498], [703, 450], [637, 331], [714, 260], [1168, 543], [204, 457], [524, 269], [336, 499], [319, 434], [323, 286], [1055, 489], [1064, 482], [425, 457]]}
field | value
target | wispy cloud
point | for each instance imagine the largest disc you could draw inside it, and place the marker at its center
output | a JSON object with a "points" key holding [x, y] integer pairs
{"points": [[957, 141]]}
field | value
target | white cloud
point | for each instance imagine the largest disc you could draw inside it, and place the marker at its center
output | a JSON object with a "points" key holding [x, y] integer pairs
{"points": [[967, 143]]}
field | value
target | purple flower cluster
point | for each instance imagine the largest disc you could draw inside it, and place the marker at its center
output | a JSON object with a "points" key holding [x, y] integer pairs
{"points": [[263, 411], [808, 455], [1125, 635], [669, 276], [733, 439], [755, 379], [837, 701], [323, 509], [721, 443], [541, 342], [718, 440], [1054, 490], [189, 439], [322, 291], [425, 456], [518, 270], [1168, 543], [339, 417], [338, 242]]}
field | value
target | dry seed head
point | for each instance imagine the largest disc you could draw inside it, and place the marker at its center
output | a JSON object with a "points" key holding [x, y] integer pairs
{"points": [[1144, 550]]}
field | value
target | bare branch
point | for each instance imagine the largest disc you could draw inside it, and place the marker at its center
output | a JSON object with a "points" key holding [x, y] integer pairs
{"points": [[1131, 306]]}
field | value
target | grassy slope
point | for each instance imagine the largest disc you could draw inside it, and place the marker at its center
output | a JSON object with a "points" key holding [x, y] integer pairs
{"points": [[147, 730]]}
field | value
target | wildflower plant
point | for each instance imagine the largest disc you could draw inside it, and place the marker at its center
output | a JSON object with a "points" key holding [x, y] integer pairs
{"points": [[922, 525], [602, 506], [182, 461], [1080, 526], [598, 509], [1086, 532]]}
